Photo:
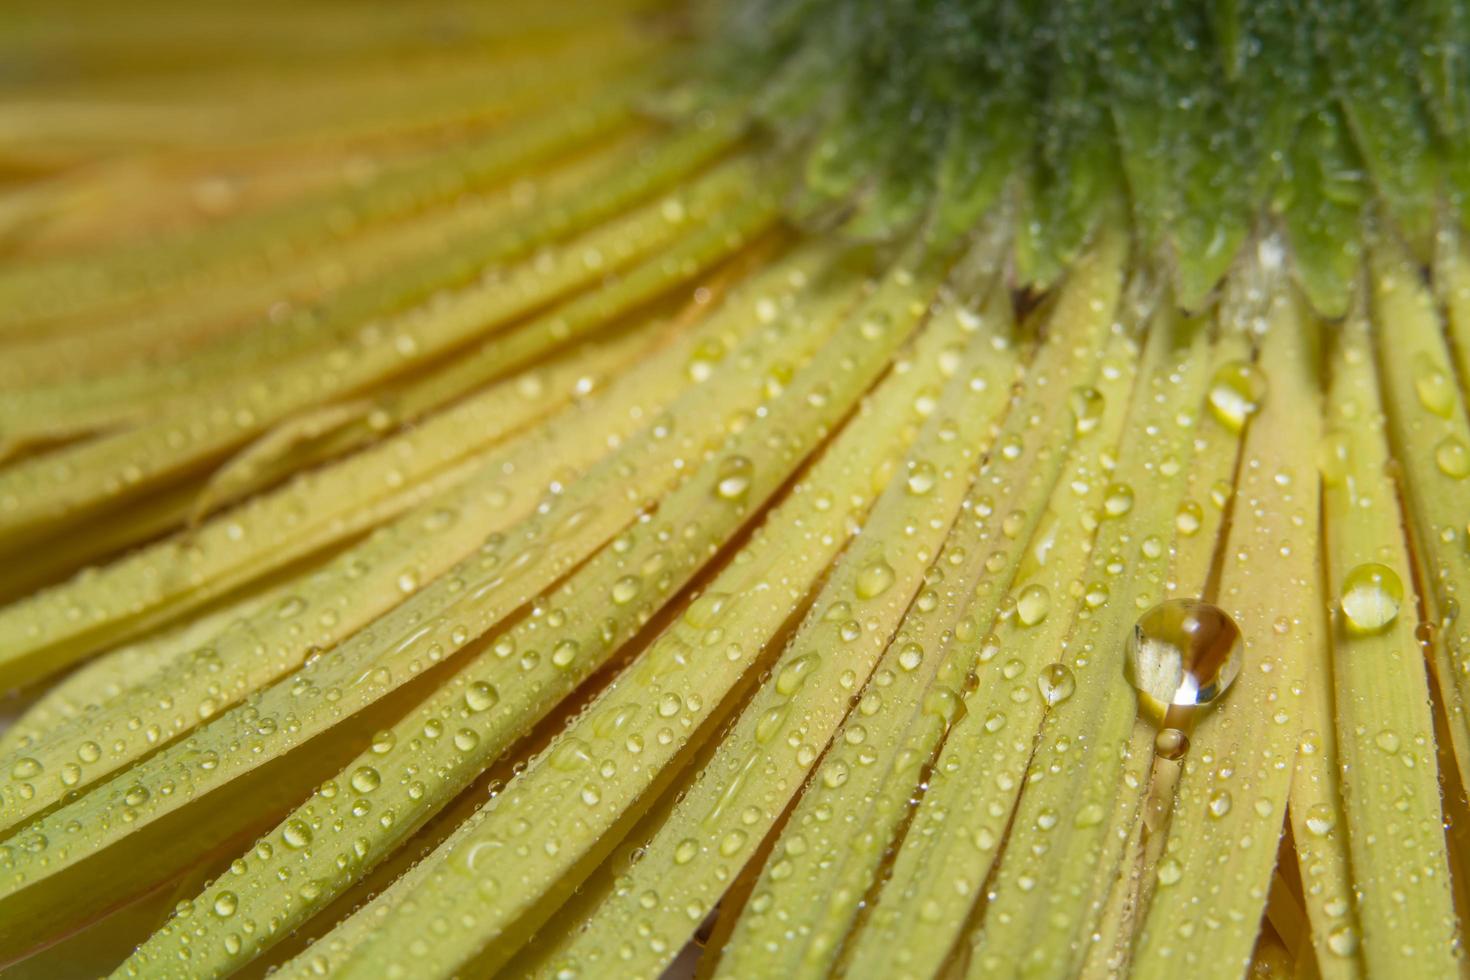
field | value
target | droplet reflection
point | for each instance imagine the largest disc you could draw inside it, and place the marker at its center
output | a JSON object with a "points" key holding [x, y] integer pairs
{"points": [[1183, 653]]}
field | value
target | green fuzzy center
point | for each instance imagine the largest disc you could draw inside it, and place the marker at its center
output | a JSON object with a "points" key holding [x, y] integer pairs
{"points": [[1195, 120]]}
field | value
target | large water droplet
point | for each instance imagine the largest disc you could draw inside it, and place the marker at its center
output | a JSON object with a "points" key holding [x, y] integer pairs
{"points": [[1033, 604], [1056, 683], [686, 851], [874, 579], [225, 904], [1183, 652], [1087, 406], [1453, 458], [481, 696], [1321, 819], [1371, 596], [564, 654], [1436, 391], [366, 779], [625, 589], [297, 834], [1118, 500], [1189, 518], [704, 358], [1220, 803], [1171, 744], [922, 477], [910, 656], [1237, 392], [25, 768], [733, 480], [1343, 940]]}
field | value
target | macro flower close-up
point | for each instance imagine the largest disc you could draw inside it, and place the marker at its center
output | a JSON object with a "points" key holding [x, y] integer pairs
{"points": [[734, 489]]}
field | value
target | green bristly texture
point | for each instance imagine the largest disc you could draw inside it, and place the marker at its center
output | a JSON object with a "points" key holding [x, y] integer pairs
{"points": [[1199, 118]]}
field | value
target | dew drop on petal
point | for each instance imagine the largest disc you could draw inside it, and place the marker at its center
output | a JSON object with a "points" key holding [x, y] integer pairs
{"points": [[1371, 596], [733, 480], [1436, 391], [1237, 391], [874, 579], [1171, 744], [1452, 458], [1056, 683], [1183, 652], [365, 779], [1033, 604], [1087, 406]]}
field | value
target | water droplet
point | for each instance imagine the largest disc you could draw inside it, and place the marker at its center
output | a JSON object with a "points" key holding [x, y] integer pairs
{"points": [[25, 768], [1171, 744], [1343, 941], [770, 723], [365, 779], [1220, 493], [874, 579], [383, 742], [1087, 408], [794, 674], [910, 655], [733, 480], [1436, 391], [1453, 458], [225, 904], [570, 754], [1056, 683], [1189, 518], [1321, 819], [1118, 500], [1219, 804], [1089, 815], [1387, 740], [1237, 391], [1371, 596], [481, 696], [1033, 604], [1183, 652], [296, 835], [703, 360], [625, 589], [922, 477], [564, 653], [705, 610]]}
